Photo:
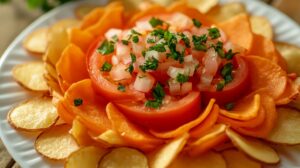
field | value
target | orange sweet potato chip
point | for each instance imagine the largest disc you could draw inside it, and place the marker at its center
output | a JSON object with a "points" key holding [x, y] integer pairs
{"points": [[266, 74], [186, 127], [91, 110], [92, 18], [71, 66], [246, 109], [135, 136], [238, 30], [81, 38], [291, 92]]}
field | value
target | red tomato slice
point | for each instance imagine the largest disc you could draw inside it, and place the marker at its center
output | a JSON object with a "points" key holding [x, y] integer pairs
{"points": [[168, 117], [102, 85], [233, 90]]}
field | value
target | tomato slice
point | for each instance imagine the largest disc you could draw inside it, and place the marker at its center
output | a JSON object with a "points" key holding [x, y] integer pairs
{"points": [[233, 90], [168, 117], [102, 85]]}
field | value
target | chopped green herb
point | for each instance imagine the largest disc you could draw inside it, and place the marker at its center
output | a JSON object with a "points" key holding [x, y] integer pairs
{"points": [[181, 78], [185, 39], [78, 102], [106, 67], [158, 93], [125, 42], [115, 38], [226, 72], [228, 78], [121, 88], [135, 32], [214, 33], [155, 22], [197, 23], [106, 47], [133, 58], [158, 47], [135, 39], [199, 42], [220, 85], [131, 67], [219, 49], [229, 106], [153, 103], [150, 64], [149, 40], [229, 54], [158, 33], [170, 37], [144, 53]]}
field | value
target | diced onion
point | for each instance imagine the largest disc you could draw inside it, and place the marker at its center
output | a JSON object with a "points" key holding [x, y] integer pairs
{"points": [[190, 68], [143, 26], [114, 60], [113, 32], [174, 87], [119, 72], [144, 82], [181, 21], [188, 58], [174, 71], [186, 88], [122, 50], [152, 54], [137, 49]]}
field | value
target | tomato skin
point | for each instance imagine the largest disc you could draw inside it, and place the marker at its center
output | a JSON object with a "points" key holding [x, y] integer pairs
{"points": [[168, 116], [104, 87], [233, 90]]}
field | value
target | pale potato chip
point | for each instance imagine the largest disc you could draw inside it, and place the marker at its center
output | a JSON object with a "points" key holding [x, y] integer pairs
{"points": [[61, 25], [253, 148], [112, 137], [284, 131], [167, 153], [82, 10], [36, 42], [163, 2], [224, 12], [56, 143], [236, 159], [203, 5], [207, 160], [124, 158], [291, 54], [262, 26], [31, 76], [88, 157], [35, 114]]}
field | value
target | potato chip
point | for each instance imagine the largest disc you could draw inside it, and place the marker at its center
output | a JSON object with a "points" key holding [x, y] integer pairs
{"points": [[291, 92], [36, 42], [112, 137], [186, 127], [56, 143], [236, 159], [209, 159], [262, 26], [80, 134], [167, 153], [85, 157], [34, 114], [284, 131], [224, 12], [253, 148], [203, 5], [61, 25], [124, 158], [31, 76], [245, 109], [291, 54], [82, 10], [212, 137]]}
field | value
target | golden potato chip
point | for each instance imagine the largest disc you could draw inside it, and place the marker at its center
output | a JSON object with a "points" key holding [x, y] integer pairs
{"points": [[167, 153], [36, 42], [203, 5], [82, 10], [284, 131], [88, 157], [209, 159], [291, 54], [236, 159], [253, 148], [61, 25], [80, 134], [56, 143], [124, 158], [34, 114], [262, 26], [31, 76], [112, 137], [224, 12]]}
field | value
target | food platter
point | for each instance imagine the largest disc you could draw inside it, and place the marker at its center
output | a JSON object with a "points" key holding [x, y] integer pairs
{"points": [[20, 145]]}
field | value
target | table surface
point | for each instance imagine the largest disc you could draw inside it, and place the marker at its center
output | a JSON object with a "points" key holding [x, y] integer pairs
{"points": [[14, 21]]}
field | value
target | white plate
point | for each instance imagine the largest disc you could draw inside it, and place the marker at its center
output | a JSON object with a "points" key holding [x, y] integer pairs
{"points": [[20, 145]]}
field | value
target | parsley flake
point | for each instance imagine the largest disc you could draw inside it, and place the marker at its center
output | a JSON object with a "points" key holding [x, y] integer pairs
{"points": [[150, 64], [106, 67], [135, 32], [121, 88], [106, 47], [135, 39], [125, 42], [229, 106], [197, 23], [78, 102], [229, 54], [185, 39], [226, 72], [214, 33], [155, 22], [181, 78], [158, 47], [220, 85], [158, 93], [199, 42]]}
